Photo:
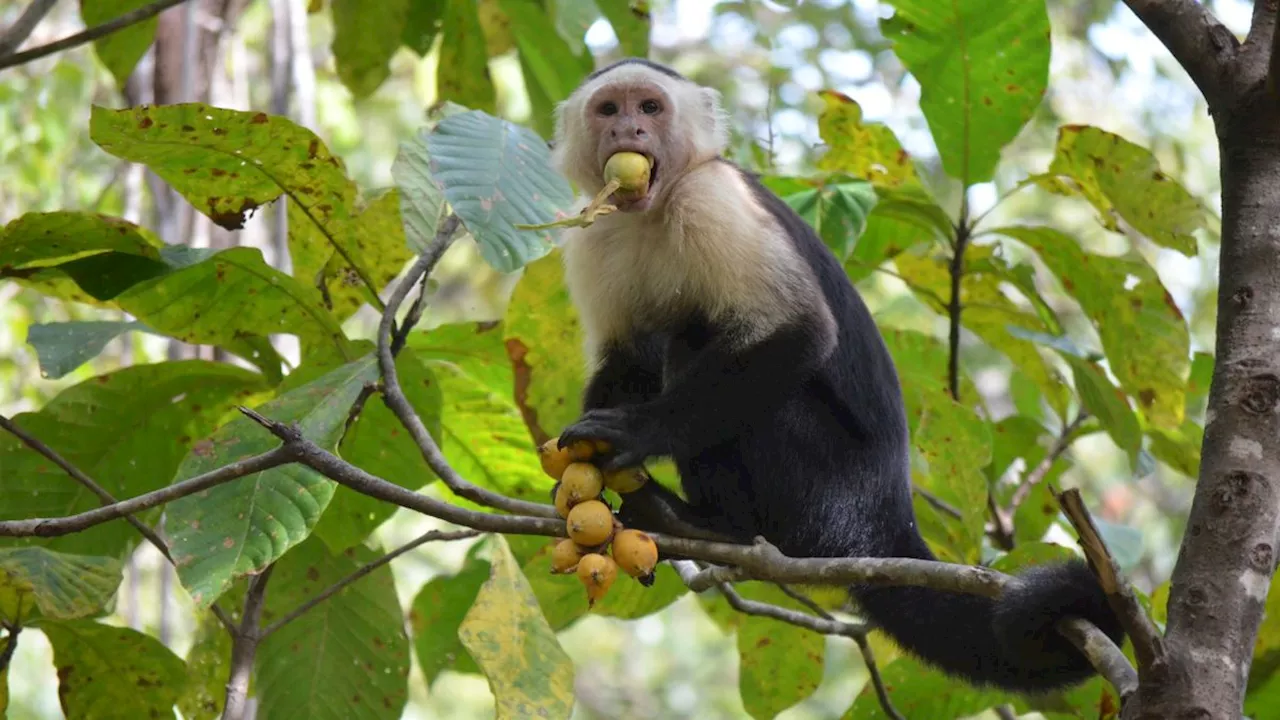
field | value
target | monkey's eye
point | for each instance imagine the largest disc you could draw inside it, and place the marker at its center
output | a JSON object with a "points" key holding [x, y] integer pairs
{"points": [[650, 107], [608, 108]]}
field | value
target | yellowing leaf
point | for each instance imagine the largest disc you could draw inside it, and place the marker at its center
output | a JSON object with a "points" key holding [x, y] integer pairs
{"points": [[869, 151], [54, 585]]}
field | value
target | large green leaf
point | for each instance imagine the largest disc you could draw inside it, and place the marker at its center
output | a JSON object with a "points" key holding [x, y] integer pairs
{"points": [[360, 48], [781, 664], [420, 199], [119, 51], [242, 526], [128, 430], [437, 612], [378, 443], [348, 657], [1105, 402], [554, 66], [1123, 180], [869, 151], [1142, 330], [233, 293], [982, 66], [462, 72], [630, 21], [924, 358], [44, 239], [226, 163], [544, 341], [496, 174], [113, 672], [35, 581], [514, 646], [422, 24]]}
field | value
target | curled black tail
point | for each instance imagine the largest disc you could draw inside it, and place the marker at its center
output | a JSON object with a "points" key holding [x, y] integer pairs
{"points": [[1009, 642]]}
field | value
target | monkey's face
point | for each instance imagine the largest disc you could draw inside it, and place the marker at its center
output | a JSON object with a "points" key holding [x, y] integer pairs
{"points": [[636, 117]]}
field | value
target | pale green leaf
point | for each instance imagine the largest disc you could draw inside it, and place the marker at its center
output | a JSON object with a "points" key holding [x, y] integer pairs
{"points": [[420, 198], [57, 585]]}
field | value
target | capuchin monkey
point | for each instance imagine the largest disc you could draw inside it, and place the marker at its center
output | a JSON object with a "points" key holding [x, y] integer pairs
{"points": [[722, 333]]}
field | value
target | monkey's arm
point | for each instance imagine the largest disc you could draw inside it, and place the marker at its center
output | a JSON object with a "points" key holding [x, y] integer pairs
{"points": [[722, 390], [626, 376]]}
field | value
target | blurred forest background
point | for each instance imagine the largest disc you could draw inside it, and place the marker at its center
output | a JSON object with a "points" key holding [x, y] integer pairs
{"points": [[768, 58]]}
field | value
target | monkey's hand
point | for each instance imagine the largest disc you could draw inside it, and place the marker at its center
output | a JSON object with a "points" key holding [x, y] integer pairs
{"points": [[633, 435]]}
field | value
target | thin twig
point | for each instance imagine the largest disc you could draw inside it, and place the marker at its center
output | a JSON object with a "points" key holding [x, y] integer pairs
{"points": [[877, 682], [21, 29], [432, 536], [394, 397], [1148, 644], [1039, 472], [106, 498], [804, 600], [132, 17], [245, 647], [954, 308], [1195, 38], [936, 502]]}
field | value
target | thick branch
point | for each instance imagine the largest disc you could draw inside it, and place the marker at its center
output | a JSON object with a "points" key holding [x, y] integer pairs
{"points": [[245, 648], [132, 17], [1200, 44], [17, 33], [1103, 654], [334, 589], [395, 399], [54, 527], [1148, 645]]}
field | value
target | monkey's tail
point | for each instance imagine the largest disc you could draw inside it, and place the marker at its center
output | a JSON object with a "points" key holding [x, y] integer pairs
{"points": [[1009, 642]]}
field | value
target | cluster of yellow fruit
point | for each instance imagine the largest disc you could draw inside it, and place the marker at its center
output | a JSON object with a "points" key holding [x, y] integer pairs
{"points": [[593, 530]]}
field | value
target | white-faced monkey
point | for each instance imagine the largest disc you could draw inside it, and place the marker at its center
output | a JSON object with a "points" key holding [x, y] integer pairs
{"points": [[721, 332]]}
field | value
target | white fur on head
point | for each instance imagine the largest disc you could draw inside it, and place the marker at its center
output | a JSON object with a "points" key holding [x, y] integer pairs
{"points": [[698, 114]]}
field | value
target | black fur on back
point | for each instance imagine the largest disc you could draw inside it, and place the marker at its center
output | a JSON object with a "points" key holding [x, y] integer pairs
{"points": [[828, 475]]}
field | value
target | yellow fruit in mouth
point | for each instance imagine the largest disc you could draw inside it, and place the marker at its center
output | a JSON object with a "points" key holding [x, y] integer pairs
{"points": [[631, 170]]}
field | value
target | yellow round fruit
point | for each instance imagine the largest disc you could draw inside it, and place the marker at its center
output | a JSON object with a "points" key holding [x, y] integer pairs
{"points": [[553, 459], [631, 170], [565, 556], [597, 573], [625, 480], [580, 482], [590, 523], [581, 450], [636, 553]]}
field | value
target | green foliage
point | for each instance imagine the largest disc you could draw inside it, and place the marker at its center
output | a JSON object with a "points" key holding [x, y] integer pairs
{"points": [[106, 671], [438, 610], [120, 51], [38, 583], [462, 74], [348, 657], [360, 47]]}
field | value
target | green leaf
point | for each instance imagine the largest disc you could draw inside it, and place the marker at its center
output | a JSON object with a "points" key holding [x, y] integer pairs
{"points": [[437, 612], [1180, 448], [65, 346], [109, 672], [982, 66], [1107, 403], [919, 691], [924, 358], [902, 219], [128, 430], [1198, 383], [1032, 554], [240, 527], [462, 72], [837, 211], [1143, 333], [553, 65], [544, 342], [514, 646], [346, 658], [57, 585], [119, 51], [868, 151], [422, 24], [630, 23], [781, 664], [377, 442], [208, 665], [233, 293], [360, 48], [226, 163], [46, 239], [1123, 180], [421, 200], [495, 175]]}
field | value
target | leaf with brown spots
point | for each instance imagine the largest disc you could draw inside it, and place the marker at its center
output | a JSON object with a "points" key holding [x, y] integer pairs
{"points": [[982, 65], [1145, 338], [40, 583], [869, 151], [113, 672], [128, 430], [505, 632], [345, 659], [242, 526], [258, 160], [49, 239], [1128, 185]]}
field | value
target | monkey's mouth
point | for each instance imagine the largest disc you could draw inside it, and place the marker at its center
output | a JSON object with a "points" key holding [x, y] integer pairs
{"points": [[639, 202]]}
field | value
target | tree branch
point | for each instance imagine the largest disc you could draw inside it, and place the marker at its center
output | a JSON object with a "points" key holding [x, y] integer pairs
{"points": [[1200, 44], [10, 645], [17, 33], [1103, 654], [954, 307], [132, 17], [245, 648], [1148, 645], [54, 527], [334, 589], [1038, 473], [395, 399]]}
